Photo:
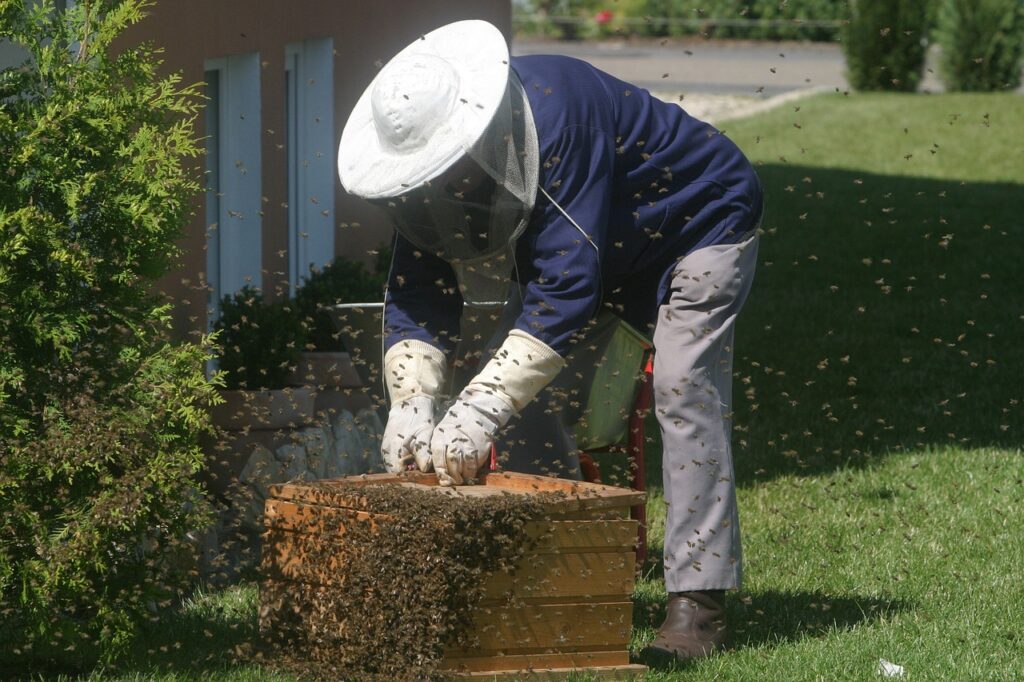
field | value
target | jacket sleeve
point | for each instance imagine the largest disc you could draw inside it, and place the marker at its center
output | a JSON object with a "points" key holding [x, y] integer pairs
{"points": [[559, 264], [422, 300]]}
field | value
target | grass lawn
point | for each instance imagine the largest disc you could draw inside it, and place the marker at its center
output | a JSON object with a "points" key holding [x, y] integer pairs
{"points": [[878, 397], [878, 408]]}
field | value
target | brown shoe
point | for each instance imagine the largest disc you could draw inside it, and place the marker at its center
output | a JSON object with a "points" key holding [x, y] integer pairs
{"points": [[694, 626]]}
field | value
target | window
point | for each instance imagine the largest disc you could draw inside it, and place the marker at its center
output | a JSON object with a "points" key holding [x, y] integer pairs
{"points": [[309, 112], [233, 172]]}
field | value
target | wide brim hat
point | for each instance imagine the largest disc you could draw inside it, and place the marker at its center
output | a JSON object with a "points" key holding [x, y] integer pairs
{"points": [[424, 110]]}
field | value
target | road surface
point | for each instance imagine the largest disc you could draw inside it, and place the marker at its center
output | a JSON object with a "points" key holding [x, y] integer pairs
{"points": [[684, 66]]}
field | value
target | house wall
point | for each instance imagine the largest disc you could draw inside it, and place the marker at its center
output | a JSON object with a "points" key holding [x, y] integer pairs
{"points": [[364, 33]]}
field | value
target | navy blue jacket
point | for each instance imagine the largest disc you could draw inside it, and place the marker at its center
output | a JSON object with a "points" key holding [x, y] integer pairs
{"points": [[647, 182]]}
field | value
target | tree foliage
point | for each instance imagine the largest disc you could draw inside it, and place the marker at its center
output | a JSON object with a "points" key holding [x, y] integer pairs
{"points": [[742, 19], [982, 44], [884, 43], [100, 412], [746, 19]]}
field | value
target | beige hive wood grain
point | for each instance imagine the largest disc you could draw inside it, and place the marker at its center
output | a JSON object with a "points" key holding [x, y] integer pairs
{"points": [[566, 607]]}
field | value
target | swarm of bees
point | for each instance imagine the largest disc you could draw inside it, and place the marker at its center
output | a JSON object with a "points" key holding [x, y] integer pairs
{"points": [[385, 591]]}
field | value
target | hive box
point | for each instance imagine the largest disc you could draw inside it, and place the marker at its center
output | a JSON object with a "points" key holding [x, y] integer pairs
{"points": [[567, 607]]}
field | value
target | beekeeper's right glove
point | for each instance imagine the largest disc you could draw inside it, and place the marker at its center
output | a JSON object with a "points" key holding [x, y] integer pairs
{"points": [[414, 372], [518, 371]]}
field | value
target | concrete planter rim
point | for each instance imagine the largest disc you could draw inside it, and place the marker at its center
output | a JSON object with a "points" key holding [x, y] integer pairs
{"points": [[290, 407], [325, 369]]}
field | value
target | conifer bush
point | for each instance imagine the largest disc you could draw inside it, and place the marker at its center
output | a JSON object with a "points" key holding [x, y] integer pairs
{"points": [[884, 43], [982, 44], [341, 281], [743, 19], [100, 412]]}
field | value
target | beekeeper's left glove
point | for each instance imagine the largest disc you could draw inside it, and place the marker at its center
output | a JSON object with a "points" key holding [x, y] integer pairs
{"points": [[461, 444]]}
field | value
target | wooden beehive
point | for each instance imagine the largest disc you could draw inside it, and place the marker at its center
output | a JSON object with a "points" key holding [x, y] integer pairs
{"points": [[567, 607]]}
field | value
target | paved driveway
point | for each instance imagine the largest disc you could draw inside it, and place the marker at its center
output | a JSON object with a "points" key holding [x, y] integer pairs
{"points": [[681, 66]]}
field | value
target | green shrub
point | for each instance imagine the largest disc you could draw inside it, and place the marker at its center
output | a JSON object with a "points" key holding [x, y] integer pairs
{"points": [[100, 414], [342, 281], [801, 19], [982, 44], [95, 513], [759, 19], [742, 19], [563, 19], [260, 341], [884, 43]]}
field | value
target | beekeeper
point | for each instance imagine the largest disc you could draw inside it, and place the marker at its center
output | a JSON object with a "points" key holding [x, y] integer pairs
{"points": [[584, 192]]}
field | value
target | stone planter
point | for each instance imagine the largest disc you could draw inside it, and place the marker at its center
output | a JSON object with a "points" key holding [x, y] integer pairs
{"points": [[345, 444], [287, 408], [338, 386], [325, 371], [251, 419], [302, 433]]}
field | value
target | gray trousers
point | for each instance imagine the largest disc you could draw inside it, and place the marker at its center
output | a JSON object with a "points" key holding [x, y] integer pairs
{"points": [[693, 341]]}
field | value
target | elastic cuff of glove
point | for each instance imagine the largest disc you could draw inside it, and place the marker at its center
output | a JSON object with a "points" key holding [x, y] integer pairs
{"points": [[519, 369], [543, 351], [412, 368]]}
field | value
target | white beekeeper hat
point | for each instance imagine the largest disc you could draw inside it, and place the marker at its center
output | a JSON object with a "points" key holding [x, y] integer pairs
{"points": [[424, 110]]}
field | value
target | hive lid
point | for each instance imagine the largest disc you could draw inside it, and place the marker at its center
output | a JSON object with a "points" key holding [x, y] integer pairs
{"points": [[571, 495]]}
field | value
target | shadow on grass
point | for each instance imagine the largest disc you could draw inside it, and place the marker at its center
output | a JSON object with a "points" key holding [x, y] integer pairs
{"points": [[774, 618], [879, 321]]}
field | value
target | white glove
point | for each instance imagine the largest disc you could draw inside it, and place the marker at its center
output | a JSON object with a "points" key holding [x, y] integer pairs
{"points": [[462, 440], [461, 444], [414, 372], [407, 434]]}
